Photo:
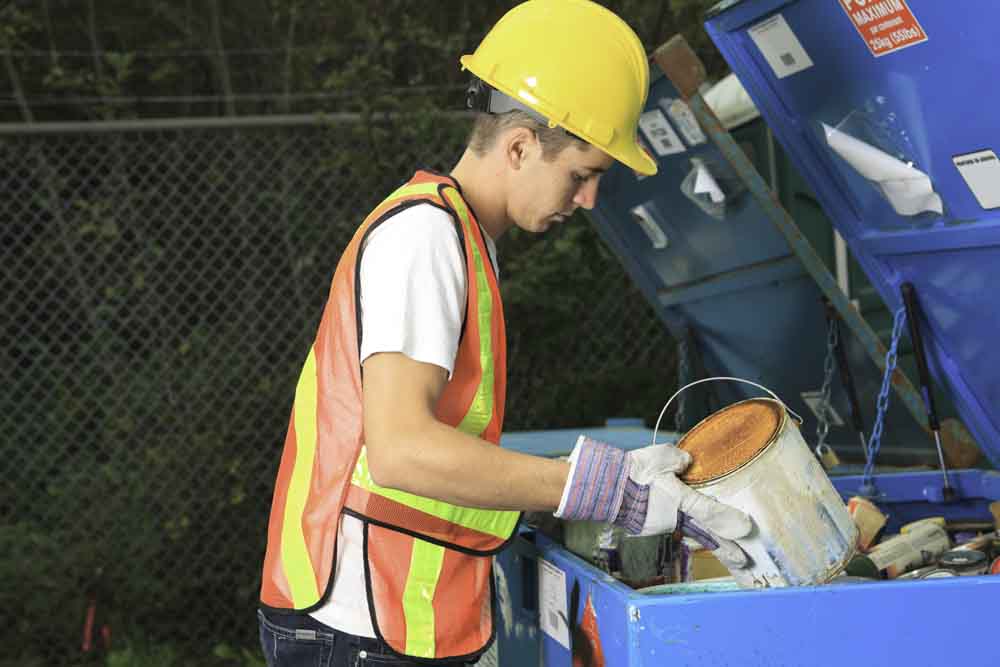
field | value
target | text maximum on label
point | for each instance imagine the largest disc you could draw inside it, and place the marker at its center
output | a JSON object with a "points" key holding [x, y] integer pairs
{"points": [[874, 11]]}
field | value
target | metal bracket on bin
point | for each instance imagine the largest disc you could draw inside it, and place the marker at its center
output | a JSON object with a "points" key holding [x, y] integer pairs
{"points": [[686, 71]]}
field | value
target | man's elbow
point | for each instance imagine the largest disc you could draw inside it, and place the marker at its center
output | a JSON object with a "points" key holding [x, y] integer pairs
{"points": [[385, 466]]}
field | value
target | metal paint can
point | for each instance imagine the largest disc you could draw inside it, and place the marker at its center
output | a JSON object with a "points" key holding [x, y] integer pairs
{"points": [[980, 543], [752, 456], [919, 573], [964, 562], [939, 574]]}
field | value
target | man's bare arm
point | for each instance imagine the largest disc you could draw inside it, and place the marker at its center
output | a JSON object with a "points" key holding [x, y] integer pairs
{"points": [[410, 450]]}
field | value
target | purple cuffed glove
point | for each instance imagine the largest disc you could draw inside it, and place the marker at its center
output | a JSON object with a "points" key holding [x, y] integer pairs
{"points": [[640, 491]]}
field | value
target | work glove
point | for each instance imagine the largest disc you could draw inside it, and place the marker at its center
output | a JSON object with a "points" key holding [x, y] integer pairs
{"points": [[640, 491]]}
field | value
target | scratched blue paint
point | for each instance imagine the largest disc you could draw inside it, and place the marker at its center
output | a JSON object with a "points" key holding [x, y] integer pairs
{"points": [[879, 623]]}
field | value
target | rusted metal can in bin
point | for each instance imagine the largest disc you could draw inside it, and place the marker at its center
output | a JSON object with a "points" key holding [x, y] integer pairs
{"points": [[752, 456]]}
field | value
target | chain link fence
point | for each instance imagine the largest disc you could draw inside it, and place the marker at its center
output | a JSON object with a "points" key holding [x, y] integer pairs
{"points": [[162, 284]]}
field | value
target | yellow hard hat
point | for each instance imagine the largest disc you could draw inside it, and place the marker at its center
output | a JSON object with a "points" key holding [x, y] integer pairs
{"points": [[577, 64]]}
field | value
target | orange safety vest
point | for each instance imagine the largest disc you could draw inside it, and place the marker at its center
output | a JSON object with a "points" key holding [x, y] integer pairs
{"points": [[428, 569]]}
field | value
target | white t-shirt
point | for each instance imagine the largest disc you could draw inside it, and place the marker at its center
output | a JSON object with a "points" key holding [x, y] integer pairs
{"points": [[413, 289]]}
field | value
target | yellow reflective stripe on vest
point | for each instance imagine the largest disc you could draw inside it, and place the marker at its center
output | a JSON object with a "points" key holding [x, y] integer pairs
{"points": [[413, 190], [418, 598], [498, 523], [294, 555], [481, 411]]}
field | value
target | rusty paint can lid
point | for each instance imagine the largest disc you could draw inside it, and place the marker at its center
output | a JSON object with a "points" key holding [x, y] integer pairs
{"points": [[730, 438]]}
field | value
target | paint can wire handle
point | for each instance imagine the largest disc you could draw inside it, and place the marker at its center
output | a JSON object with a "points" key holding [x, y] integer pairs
{"points": [[677, 393]]}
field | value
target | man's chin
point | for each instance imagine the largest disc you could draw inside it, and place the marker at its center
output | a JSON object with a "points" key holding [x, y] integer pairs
{"points": [[538, 227]]}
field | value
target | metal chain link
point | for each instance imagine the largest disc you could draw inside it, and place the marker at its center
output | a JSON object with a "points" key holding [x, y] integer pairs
{"points": [[163, 288], [882, 404], [823, 410], [683, 378]]}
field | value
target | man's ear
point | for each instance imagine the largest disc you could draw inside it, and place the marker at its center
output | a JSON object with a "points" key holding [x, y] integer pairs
{"points": [[519, 144]]}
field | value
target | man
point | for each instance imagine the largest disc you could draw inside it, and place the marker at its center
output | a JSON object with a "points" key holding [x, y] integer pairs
{"points": [[392, 493]]}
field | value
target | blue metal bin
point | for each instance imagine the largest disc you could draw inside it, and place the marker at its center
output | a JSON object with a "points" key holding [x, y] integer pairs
{"points": [[926, 100], [915, 86], [919, 622]]}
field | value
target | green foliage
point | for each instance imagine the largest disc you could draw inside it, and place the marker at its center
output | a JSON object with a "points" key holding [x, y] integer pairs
{"points": [[242, 657], [556, 302], [360, 55], [172, 654], [172, 297], [162, 655]]}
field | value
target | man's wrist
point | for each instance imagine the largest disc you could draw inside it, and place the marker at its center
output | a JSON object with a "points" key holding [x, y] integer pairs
{"points": [[635, 504], [596, 483]]}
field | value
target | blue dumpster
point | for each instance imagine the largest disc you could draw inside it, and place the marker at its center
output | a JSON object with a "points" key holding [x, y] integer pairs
{"points": [[887, 108], [884, 108]]}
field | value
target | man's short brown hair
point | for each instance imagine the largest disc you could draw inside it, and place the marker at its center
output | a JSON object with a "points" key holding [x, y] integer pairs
{"points": [[488, 127]]}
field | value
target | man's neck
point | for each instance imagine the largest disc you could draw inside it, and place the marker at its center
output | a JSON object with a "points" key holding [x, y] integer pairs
{"points": [[483, 188]]}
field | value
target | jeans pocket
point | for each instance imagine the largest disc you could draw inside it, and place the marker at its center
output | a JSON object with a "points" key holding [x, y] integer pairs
{"points": [[301, 653], [383, 659], [293, 647]]}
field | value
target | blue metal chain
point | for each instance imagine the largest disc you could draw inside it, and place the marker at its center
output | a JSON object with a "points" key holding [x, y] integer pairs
{"points": [[824, 409], [891, 357]]}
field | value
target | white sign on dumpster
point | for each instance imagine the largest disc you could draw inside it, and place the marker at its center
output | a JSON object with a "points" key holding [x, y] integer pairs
{"points": [[981, 171], [552, 604], [660, 133], [780, 47]]}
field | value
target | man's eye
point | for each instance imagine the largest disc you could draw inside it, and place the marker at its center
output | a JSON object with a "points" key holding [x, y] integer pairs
{"points": [[579, 178]]}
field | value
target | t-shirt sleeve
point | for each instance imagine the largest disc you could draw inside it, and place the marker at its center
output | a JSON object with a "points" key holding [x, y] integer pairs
{"points": [[413, 287]]}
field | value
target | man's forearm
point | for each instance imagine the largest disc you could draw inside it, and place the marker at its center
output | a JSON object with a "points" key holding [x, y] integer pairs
{"points": [[441, 462]]}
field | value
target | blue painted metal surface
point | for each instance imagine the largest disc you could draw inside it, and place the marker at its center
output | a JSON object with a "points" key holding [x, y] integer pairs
{"points": [[755, 307], [519, 639], [925, 104], [559, 442], [516, 585], [877, 623]]}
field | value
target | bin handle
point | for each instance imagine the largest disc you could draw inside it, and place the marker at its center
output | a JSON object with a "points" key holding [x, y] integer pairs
{"points": [[712, 379]]}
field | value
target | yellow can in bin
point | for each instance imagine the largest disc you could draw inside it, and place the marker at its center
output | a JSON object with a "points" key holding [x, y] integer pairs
{"points": [[936, 520]]}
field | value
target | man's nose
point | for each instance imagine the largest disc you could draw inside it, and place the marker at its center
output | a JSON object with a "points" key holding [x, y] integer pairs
{"points": [[586, 195]]}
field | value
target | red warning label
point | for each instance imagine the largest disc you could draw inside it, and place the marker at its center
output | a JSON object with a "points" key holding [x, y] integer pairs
{"points": [[885, 25]]}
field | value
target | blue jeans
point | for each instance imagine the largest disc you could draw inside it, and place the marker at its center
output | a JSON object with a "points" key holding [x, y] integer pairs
{"points": [[299, 640]]}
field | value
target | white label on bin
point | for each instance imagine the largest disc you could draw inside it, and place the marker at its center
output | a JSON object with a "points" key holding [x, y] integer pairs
{"points": [[554, 619], [781, 48], [684, 119], [981, 171], [660, 133]]}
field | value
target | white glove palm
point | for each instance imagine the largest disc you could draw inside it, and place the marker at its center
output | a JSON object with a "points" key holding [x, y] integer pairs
{"points": [[640, 492], [673, 505]]}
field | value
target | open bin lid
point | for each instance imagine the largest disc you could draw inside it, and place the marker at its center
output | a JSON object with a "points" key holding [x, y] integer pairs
{"points": [[888, 109], [723, 279]]}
